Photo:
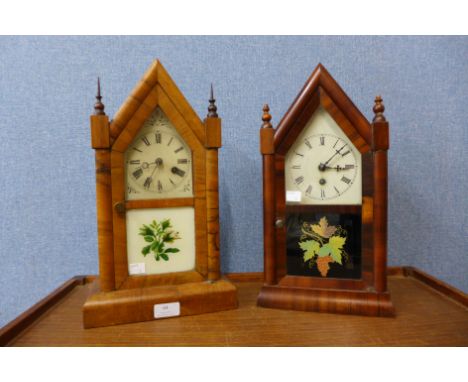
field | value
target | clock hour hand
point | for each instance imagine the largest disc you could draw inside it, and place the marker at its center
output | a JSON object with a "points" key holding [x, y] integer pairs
{"points": [[339, 168]]}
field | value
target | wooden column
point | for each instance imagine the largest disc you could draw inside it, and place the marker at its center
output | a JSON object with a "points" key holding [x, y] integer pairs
{"points": [[212, 143], [380, 145], [268, 152], [101, 144]]}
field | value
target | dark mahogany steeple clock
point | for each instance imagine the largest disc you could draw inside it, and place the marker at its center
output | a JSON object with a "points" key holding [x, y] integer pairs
{"points": [[325, 204], [157, 208]]}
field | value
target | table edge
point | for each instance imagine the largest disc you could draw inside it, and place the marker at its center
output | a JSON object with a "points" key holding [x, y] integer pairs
{"points": [[14, 328]]}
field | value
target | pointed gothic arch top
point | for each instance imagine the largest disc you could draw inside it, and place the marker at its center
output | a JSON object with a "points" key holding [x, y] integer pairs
{"points": [[155, 84], [321, 89]]}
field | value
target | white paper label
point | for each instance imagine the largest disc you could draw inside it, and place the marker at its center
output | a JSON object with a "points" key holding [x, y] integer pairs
{"points": [[293, 196], [169, 309], [136, 268]]}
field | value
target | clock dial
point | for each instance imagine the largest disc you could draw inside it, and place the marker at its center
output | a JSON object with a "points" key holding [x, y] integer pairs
{"points": [[158, 162], [323, 166]]}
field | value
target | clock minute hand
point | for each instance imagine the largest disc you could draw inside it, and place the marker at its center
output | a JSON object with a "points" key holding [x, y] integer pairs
{"points": [[337, 152], [323, 166]]}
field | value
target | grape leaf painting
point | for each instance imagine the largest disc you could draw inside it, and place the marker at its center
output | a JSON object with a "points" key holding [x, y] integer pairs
{"points": [[323, 229], [158, 235], [323, 245]]}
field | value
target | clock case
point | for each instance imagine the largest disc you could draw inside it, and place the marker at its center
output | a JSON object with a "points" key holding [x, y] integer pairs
{"points": [[367, 295], [122, 298]]}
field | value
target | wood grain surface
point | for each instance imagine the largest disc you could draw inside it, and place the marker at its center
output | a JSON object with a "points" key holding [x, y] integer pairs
{"points": [[424, 317], [126, 306]]}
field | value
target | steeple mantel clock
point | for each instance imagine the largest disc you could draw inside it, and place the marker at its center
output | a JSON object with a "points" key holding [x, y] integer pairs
{"points": [[325, 204], [157, 207]]}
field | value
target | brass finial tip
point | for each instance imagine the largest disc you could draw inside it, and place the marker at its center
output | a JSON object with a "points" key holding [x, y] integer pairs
{"points": [[379, 109], [99, 106], [212, 107], [266, 117]]}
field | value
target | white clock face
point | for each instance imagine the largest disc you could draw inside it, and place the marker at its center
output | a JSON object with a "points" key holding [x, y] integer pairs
{"points": [[158, 162], [323, 166]]}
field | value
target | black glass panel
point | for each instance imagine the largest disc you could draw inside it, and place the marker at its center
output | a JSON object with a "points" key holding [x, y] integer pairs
{"points": [[324, 245]]}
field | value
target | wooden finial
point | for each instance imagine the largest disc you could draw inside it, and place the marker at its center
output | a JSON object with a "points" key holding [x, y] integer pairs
{"points": [[212, 107], [378, 108], [266, 117], [99, 106]]}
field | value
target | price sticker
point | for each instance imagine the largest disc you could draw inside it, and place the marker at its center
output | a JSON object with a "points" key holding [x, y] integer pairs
{"points": [[169, 309], [293, 196], [136, 268]]}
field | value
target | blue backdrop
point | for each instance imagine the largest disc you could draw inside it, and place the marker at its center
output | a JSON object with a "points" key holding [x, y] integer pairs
{"points": [[47, 88]]}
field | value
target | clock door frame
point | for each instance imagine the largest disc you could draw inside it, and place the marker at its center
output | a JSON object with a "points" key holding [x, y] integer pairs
{"points": [[158, 98], [289, 134], [337, 295]]}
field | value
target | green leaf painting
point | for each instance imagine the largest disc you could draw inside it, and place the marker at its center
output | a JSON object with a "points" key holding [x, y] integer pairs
{"points": [[158, 234], [336, 247], [323, 245], [310, 248]]}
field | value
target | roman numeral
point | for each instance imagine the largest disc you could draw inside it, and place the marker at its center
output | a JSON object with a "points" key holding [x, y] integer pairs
{"points": [[160, 187], [296, 167], [307, 143], [338, 192], [309, 190], [182, 161], [348, 166], [170, 141], [138, 173], [179, 149], [322, 193], [345, 179], [322, 141], [299, 180], [147, 183], [178, 171], [345, 153], [158, 137], [301, 155], [134, 148], [145, 141], [135, 161]]}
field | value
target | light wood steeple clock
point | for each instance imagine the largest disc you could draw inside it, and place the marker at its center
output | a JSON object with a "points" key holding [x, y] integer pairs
{"points": [[157, 207], [325, 204]]}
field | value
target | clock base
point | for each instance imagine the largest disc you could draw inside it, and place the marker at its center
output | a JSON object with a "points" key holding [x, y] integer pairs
{"points": [[135, 305], [327, 301]]}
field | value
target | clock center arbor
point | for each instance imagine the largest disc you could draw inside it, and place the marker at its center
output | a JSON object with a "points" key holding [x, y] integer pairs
{"points": [[325, 204], [157, 208]]}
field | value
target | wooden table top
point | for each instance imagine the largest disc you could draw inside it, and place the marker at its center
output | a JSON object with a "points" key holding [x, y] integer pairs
{"points": [[425, 317]]}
